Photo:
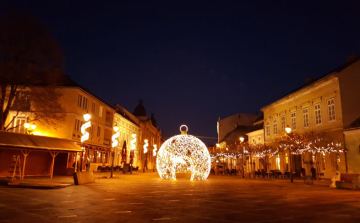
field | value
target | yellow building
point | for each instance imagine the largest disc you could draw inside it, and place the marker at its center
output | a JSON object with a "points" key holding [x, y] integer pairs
{"points": [[149, 132], [77, 101], [327, 104], [128, 125]]}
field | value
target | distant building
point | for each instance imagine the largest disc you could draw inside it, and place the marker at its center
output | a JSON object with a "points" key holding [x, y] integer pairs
{"points": [[150, 132], [230, 129]]}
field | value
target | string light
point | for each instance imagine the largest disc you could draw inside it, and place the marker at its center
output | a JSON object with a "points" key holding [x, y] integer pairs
{"points": [[154, 150], [133, 141], [146, 145], [183, 153]]}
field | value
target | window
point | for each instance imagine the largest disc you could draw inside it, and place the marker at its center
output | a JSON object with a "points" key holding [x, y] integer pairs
{"points": [[259, 139], [77, 125], [93, 107], [98, 131], [306, 117], [253, 140], [100, 110], [18, 125], [275, 127], [84, 106], [293, 120], [317, 114], [79, 100], [331, 109], [282, 123], [268, 128], [82, 101]]}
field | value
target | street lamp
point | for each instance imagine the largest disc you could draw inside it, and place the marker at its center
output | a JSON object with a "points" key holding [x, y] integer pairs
{"points": [[115, 142], [146, 144], [29, 128], [288, 131], [242, 156]]}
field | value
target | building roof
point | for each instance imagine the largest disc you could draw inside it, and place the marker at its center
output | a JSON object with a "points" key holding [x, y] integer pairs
{"points": [[234, 135], [316, 80], [354, 125], [23, 141]]}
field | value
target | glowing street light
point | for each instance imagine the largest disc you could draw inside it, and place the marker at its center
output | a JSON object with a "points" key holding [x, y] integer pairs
{"points": [[29, 128], [242, 139], [288, 129]]}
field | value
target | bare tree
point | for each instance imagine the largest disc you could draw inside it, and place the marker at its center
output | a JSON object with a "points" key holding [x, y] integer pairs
{"points": [[30, 66]]}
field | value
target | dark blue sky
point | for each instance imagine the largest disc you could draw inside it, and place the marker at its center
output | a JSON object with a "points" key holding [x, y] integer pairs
{"points": [[194, 61]]}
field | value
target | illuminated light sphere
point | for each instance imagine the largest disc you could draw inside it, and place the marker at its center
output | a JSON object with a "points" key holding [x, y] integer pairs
{"points": [[181, 154]]}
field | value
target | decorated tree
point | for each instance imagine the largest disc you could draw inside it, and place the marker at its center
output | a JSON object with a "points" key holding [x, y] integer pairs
{"points": [[30, 65]]}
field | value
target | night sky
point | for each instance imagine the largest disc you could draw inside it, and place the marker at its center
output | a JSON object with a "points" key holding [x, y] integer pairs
{"points": [[195, 61]]}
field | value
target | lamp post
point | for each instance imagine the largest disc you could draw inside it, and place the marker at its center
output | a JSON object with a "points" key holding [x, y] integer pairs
{"points": [[242, 157], [154, 154], [288, 131], [145, 154], [85, 135], [115, 142]]}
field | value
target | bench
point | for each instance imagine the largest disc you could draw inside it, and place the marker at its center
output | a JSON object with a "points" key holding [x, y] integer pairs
{"points": [[345, 180]]}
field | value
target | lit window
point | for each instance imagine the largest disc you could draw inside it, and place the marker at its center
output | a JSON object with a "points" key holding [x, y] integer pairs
{"points": [[18, 125], [275, 126], [293, 120], [77, 125], [100, 110], [331, 109], [283, 123], [306, 117], [317, 114], [268, 128]]}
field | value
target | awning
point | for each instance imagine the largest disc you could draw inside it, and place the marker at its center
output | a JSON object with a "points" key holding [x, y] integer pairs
{"points": [[24, 141]]}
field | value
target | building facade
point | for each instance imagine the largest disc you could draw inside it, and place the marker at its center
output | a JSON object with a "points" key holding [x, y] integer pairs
{"points": [[327, 105]]}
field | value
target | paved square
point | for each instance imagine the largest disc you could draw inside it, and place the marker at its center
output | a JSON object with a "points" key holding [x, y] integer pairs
{"points": [[144, 197]]}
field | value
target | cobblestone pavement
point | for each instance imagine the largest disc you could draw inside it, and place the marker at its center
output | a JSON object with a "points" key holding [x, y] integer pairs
{"points": [[147, 198]]}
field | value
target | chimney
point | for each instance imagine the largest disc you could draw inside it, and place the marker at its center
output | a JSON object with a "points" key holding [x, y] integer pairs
{"points": [[352, 58], [309, 80]]}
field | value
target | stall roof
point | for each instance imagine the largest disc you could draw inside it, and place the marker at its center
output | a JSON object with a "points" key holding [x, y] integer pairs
{"points": [[24, 141]]}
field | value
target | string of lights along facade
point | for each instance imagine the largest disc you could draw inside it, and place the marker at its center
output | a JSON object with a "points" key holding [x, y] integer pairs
{"points": [[328, 104]]}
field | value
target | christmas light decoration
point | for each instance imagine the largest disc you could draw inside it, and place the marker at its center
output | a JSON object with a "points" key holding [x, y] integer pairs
{"points": [[133, 141], [86, 125], [154, 150], [115, 136], [146, 145], [183, 153]]}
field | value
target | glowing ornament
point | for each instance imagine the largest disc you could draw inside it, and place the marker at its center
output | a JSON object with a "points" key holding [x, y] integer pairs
{"points": [[154, 150], [181, 154], [146, 145]]}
